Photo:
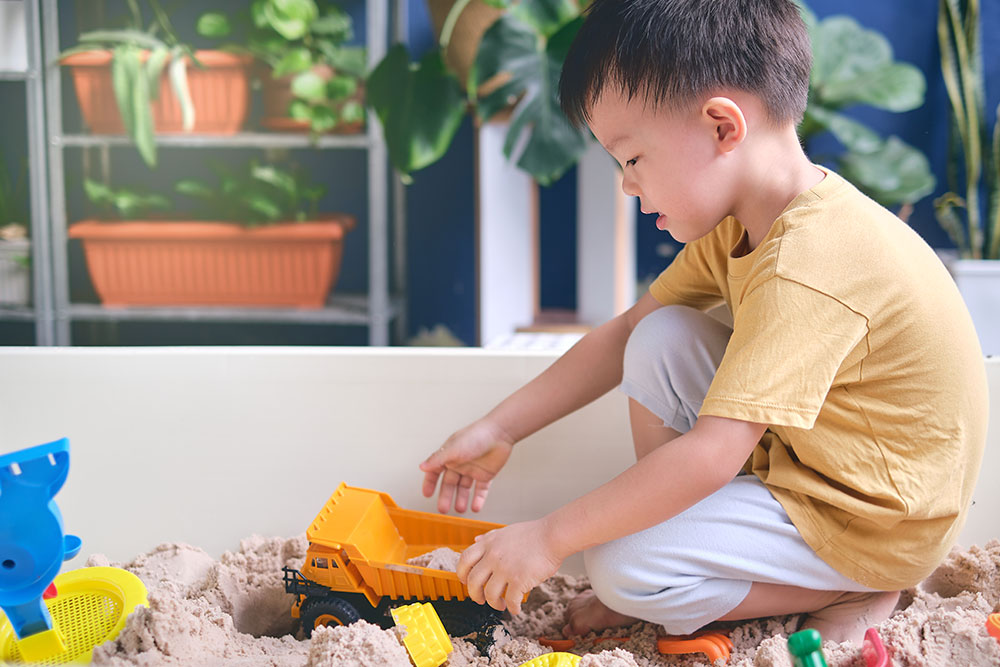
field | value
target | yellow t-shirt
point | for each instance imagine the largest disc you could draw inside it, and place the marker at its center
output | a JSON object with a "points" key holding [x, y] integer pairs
{"points": [[851, 341]]}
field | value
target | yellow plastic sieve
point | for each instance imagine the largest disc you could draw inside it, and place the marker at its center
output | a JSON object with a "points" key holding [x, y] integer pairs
{"points": [[90, 607]]}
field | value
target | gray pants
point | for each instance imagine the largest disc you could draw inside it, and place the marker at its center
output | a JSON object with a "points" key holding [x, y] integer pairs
{"points": [[698, 566]]}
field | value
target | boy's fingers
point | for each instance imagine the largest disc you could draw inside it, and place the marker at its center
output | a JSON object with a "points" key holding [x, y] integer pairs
{"points": [[494, 590], [479, 498], [467, 561], [513, 598], [449, 482], [430, 482], [462, 498]]}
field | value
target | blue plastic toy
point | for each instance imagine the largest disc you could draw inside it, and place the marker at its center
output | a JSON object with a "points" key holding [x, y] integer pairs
{"points": [[32, 544]]}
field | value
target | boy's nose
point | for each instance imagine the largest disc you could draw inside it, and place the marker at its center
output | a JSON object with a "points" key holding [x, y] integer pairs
{"points": [[630, 187]]}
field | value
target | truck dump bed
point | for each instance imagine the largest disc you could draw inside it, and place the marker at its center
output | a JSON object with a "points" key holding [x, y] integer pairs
{"points": [[378, 537]]}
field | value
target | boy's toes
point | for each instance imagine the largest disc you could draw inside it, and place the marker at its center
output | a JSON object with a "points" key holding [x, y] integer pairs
{"points": [[586, 613]]}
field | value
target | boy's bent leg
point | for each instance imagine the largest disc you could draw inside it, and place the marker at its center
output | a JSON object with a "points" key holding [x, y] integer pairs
{"points": [[837, 615], [670, 360], [700, 566]]}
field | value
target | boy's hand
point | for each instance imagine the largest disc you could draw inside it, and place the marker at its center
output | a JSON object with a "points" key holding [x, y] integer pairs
{"points": [[504, 564], [473, 455]]}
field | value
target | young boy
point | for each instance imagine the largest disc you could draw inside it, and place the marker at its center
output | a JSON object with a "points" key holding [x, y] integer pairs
{"points": [[850, 391]]}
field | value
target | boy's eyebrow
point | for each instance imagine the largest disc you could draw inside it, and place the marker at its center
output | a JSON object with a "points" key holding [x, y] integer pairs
{"points": [[610, 146]]}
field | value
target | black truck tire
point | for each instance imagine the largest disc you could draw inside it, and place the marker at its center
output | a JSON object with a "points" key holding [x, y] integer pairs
{"points": [[321, 611]]}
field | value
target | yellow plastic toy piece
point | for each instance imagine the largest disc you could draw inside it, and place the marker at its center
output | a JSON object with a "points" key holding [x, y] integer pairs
{"points": [[90, 608], [553, 660], [426, 640]]}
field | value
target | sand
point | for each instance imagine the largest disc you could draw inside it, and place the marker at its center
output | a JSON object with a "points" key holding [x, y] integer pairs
{"points": [[234, 611]]}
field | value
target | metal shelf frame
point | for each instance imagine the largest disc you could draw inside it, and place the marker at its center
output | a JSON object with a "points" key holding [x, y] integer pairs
{"points": [[377, 309], [41, 310]]}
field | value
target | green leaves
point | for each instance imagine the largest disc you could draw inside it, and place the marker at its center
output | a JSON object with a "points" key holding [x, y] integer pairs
{"points": [[545, 17], [541, 139], [126, 203], [290, 18], [214, 25], [296, 40], [294, 61], [261, 194], [960, 42], [309, 86], [853, 65], [895, 173], [420, 105], [130, 81], [137, 62]]}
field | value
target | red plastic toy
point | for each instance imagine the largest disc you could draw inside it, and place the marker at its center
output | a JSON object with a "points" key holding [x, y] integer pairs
{"points": [[873, 650], [993, 626]]}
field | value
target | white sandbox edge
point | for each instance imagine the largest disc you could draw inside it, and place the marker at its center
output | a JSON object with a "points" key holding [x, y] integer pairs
{"points": [[211, 444]]}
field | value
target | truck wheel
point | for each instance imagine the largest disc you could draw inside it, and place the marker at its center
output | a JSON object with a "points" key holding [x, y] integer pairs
{"points": [[319, 612]]}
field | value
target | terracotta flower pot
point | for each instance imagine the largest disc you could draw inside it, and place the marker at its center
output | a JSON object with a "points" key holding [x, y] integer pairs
{"points": [[277, 96], [219, 92], [213, 263]]}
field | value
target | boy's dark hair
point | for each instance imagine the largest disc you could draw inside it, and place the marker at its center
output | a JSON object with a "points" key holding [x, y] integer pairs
{"points": [[669, 52]]}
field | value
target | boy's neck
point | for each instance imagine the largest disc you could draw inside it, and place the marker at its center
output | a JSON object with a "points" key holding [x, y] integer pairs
{"points": [[777, 172]]}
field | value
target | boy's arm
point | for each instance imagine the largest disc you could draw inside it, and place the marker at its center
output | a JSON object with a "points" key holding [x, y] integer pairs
{"points": [[505, 564], [585, 372], [661, 485]]}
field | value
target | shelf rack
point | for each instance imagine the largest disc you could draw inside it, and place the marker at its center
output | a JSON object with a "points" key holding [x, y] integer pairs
{"points": [[41, 309], [378, 309]]}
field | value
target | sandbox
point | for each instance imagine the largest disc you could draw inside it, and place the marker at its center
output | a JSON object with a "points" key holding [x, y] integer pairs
{"points": [[234, 611], [205, 446]]}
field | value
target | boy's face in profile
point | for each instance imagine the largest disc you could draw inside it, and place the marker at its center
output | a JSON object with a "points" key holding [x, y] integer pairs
{"points": [[670, 160]]}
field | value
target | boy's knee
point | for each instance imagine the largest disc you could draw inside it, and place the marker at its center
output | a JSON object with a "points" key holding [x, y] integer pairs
{"points": [[609, 570], [619, 574], [670, 359], [625, 580], [657, 336]]}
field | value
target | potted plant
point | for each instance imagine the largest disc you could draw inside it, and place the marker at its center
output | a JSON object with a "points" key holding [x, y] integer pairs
{"points": [[260, 243], [130, 80], [313, 80], [853, 65], [15, 247], [972, 222], [420, 105]]}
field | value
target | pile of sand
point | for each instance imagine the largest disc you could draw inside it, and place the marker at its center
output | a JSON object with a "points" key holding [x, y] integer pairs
{"points": [[234, 611]]}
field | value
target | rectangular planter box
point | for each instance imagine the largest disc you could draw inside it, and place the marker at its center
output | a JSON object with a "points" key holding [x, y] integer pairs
{"points": [[219, 92], [213, 263], [15, 278]]}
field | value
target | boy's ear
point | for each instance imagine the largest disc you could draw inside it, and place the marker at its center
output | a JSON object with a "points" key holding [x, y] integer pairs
{"points": [[727, 121]]}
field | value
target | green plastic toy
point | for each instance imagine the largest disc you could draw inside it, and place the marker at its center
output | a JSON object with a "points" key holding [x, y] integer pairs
{"points": [[806, 647]]}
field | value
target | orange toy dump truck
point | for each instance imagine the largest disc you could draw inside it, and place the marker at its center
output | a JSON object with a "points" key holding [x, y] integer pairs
{"points": [[356, 565]]}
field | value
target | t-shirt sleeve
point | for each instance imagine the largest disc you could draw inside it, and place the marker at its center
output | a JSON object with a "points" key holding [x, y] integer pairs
{"points": [[689, 280], [788, 342]]}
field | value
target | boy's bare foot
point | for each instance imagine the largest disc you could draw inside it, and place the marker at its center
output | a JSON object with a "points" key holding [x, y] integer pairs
{"points": [[851, 614], [586, 613]]}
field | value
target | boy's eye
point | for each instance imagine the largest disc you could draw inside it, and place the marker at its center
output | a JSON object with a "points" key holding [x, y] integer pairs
{"points": [[631, 163]]}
